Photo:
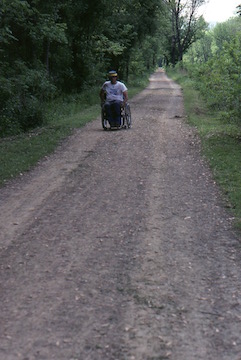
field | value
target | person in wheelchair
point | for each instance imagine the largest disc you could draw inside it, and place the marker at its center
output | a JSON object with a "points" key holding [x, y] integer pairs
{"points": [[113, 95]]}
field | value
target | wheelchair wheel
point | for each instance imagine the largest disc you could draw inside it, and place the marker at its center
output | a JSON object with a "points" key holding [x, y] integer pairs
{"points": [[104, 124], [128, 116], [104, 121]]}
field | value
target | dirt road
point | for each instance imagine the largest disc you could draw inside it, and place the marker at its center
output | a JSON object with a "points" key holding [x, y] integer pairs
{"points": [[117, 247]]}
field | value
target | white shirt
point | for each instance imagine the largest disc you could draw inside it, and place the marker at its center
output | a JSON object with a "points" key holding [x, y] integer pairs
{"points": [[114, 91]]}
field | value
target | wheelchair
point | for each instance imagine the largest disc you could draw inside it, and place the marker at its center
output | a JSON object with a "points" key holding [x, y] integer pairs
{"points": [[125, 116]]}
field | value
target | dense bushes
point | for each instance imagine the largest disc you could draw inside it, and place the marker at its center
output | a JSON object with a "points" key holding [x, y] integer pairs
{"points": [[22, 93], [214, 63]]}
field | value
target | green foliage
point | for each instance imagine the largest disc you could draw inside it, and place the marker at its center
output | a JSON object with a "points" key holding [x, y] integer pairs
{"points": [[66, 46], [218, 74], [22, 94]]}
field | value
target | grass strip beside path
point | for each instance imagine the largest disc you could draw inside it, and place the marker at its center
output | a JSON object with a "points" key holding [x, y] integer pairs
{"points": [[221, 143]]}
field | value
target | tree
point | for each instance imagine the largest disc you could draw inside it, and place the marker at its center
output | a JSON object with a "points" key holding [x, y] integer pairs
{"points": [[186, 26], [201, 50]]}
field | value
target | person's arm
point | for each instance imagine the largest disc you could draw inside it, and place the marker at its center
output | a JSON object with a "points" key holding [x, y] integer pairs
{"points": [[102, 95], [125, 96]]}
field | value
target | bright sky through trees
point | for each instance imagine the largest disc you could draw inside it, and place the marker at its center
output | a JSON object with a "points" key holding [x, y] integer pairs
{"points": [[219, 10]]}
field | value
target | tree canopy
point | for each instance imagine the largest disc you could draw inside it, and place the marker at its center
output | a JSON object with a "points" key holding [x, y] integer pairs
{"points": [[61, 46], [185, 27]]}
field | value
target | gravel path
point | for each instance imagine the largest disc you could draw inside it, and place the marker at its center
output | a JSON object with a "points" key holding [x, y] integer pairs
{"points": [[118, 247]]}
